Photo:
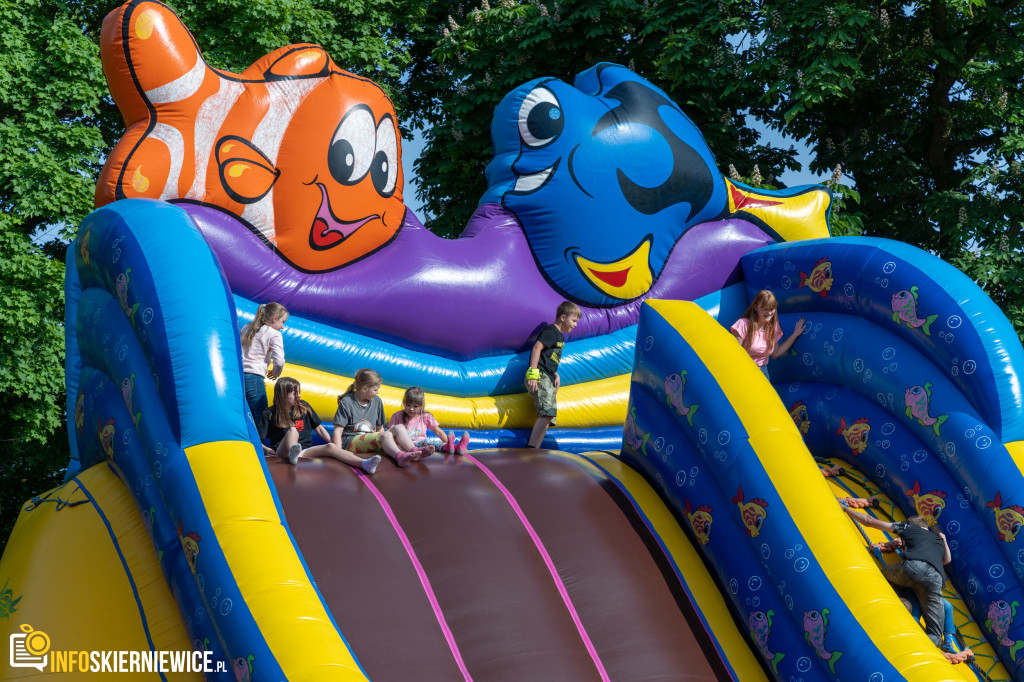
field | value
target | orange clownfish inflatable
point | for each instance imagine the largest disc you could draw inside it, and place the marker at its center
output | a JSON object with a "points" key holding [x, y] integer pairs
{"points": [[306, 155]]}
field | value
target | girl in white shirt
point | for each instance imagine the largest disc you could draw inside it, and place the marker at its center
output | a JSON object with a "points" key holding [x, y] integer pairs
{"points": [[759, 331], [262, 344]]}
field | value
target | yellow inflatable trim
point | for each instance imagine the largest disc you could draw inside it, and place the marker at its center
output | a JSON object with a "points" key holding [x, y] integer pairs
{"points": [[706, 594], [586, 405], [1016, 449], [87, 605], [265, 566], [825, 528]]}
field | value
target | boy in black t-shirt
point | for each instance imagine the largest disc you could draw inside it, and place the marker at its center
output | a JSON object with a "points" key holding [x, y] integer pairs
{"points": [[925, 553], [542, 376]]}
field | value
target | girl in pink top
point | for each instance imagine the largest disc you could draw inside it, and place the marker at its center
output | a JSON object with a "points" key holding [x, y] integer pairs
{"points": [[419, 424], [262, 345], [759, 331]]}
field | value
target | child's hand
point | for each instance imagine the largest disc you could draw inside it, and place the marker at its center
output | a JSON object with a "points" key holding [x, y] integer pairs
{"points": [[531, 385], [271, 375], [801, 326], [558, 381]]}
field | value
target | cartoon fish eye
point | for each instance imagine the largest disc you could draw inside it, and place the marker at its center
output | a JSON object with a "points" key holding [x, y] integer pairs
{"points": [[384, 169], [757, 522], [813, 615], [759, 616], [1001, 604], [352, 148], [540, 118], [1015, 528], [828, 272], [902, 294], [916, 390]]}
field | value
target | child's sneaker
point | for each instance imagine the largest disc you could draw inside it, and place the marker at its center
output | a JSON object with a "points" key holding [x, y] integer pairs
{"points": [[293, 453], [369, 465], [402, 459], [460, 449]]}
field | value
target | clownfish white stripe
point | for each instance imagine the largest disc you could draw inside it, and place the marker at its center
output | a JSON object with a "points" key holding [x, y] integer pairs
{"points": [[180, 88], [285, 99], [171, 137], [209, 119]]}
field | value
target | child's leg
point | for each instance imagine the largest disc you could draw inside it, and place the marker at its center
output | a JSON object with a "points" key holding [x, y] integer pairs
{"points": [[336, 434], [547, 407], [334, 452], [540, 428], [948, 625], [391, 449], [401, 437], [929, 594], [291, 437]]}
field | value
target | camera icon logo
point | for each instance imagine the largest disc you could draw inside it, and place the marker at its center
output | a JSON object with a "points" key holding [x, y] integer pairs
{"points": [[29, 648]]}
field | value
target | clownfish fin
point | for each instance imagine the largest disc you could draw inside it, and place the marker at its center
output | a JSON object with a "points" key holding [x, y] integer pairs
{"points": [[245, 172]]}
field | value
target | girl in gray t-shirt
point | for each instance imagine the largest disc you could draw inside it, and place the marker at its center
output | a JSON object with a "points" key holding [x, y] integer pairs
{"points": [[359, 424]]}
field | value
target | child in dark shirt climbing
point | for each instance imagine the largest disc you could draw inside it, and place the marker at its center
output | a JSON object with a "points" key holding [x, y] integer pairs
{"points": [[925, 553]]}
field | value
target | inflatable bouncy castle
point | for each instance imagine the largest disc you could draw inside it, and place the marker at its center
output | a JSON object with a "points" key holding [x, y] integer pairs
{"points": [[682, 520]]}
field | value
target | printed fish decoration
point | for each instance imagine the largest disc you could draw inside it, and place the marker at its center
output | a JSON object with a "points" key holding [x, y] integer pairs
{"points": [[700, 521], [674, 385], [8, 604], [190, 545], [1009, 520], [632, 435], [820, 280], [121, 288], [815, 626], [930, 504], [127, 391], [106, 436], [760, 625], [306, 155], [855, 435], [243, 668], [79, 412], [799, 414], [1000, 617], [917, 400], [904, 310], [752, 512]]}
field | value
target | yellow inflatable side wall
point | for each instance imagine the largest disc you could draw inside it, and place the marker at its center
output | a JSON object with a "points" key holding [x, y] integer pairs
{"points": [[46, 548]]}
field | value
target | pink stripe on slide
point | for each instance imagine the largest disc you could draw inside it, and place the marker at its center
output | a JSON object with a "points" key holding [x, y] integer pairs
{"points": [[549, 563], [424, 581]]}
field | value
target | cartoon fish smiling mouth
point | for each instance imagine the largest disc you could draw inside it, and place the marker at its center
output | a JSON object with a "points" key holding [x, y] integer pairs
{"points": [[628, 277], [328, 230]]}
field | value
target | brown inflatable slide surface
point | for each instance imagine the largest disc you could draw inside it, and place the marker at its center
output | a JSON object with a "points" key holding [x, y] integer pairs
{"points": [[507, 565]]}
